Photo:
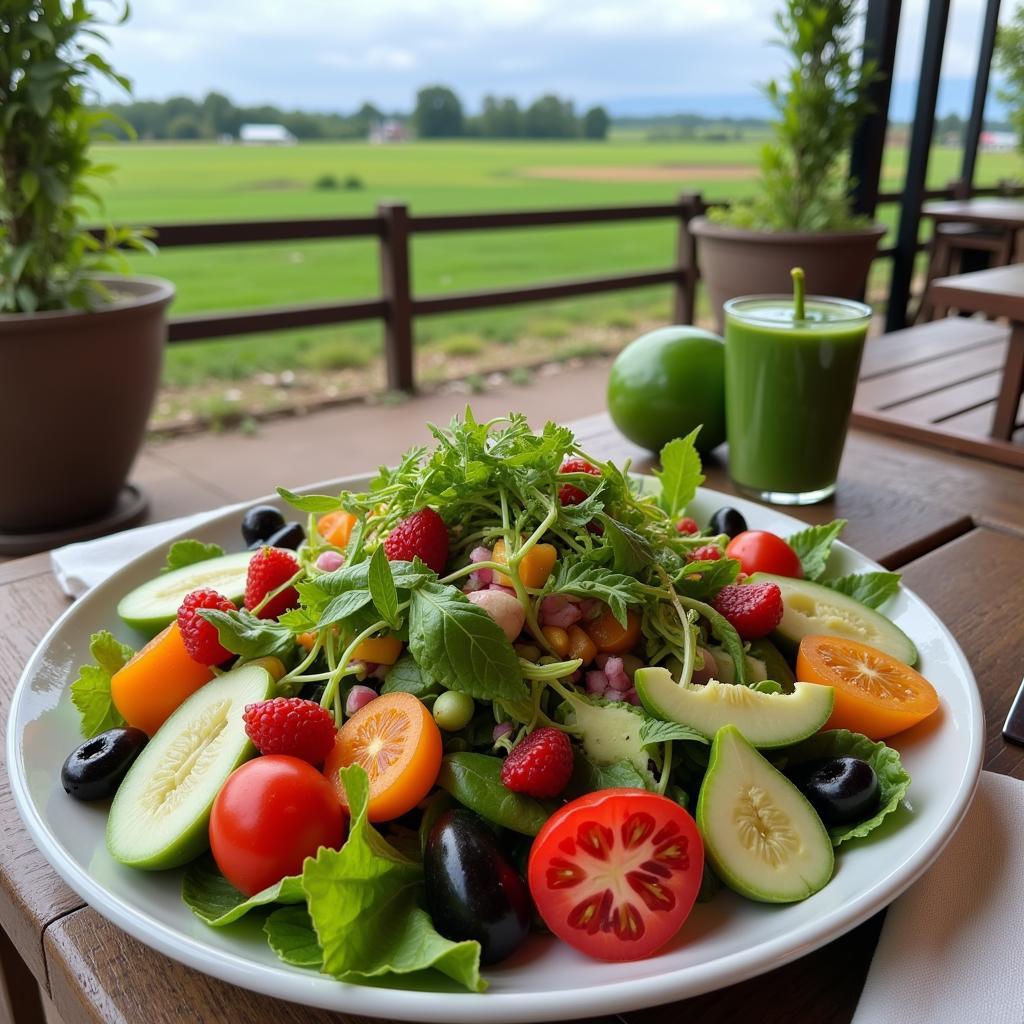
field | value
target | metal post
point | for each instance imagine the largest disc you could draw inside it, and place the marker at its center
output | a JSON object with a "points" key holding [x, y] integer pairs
{"points": [[917, 164], [977, 119], [397, 293], [881, 27], [685, 290]]}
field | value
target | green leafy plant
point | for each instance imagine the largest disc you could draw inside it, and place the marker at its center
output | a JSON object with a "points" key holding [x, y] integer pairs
{"points": [[47, 61], [818, 106], [1010, 64]]}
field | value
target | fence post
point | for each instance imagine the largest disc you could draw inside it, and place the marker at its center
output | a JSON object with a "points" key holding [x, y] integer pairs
{"points": [[396, 292], [684, 303]]}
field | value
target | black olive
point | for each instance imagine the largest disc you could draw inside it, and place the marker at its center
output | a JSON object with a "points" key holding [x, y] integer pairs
{"points": [[473, 891], [260, 523], [842, 790], [728, 521], [291, 535], [94, 770]]}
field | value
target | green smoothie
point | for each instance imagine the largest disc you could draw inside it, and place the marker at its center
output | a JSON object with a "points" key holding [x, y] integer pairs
{"points": [[789, 384]]}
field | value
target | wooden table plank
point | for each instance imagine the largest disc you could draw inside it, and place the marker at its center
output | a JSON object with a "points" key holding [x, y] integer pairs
{"points": [[998, 291], [993, 213], [950, 401], [910, 347]]}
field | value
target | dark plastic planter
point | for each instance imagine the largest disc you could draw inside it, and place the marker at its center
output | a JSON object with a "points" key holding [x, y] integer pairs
{"points": [[734, 261], [76, 389]]}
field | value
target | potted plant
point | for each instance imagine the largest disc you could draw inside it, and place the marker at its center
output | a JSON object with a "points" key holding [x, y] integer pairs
{"points": [[80, 348], [801, 215]]}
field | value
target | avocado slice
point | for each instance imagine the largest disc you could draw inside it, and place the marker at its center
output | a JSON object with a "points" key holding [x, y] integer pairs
{"points": [[610, 733], [766, 719], [761, 836]]}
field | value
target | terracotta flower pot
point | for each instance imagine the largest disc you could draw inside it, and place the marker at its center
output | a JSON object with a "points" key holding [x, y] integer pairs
{"points": [[76, 389], [735, 261]]}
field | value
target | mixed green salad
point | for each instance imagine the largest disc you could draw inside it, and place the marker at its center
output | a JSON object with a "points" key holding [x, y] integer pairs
{"points": [[510, 688]]}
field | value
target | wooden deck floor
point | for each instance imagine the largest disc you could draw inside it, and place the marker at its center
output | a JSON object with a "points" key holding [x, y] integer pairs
{"points": [[938, 383]]}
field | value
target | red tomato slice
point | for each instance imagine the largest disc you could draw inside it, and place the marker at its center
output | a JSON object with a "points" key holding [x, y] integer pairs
{"points": [[761, 551], [616, 872]]}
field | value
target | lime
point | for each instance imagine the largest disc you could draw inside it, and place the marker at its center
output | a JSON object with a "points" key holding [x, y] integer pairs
{"points": [[666, 383]]}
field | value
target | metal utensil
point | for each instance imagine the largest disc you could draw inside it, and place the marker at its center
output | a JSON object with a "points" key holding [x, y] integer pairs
{"points": [[1013, 727]]}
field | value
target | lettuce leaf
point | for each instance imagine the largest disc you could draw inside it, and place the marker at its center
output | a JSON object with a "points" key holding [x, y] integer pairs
{"points": [[90, 692], [680, 474], [870, 588], [289, 931], [364, 902], [892, 778], [213, 899]]}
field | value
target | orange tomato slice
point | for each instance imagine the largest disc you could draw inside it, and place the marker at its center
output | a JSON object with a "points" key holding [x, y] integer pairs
{"points": [[336, 527], [397, 742], [610, 636], [874, 693]]}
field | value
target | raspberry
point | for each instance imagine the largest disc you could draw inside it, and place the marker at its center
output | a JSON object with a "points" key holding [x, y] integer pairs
{"points": [[422, 535], [687, 525], [570, 494], [754, 609], [201, 639], [577, 465], [708, 553], [269, 568], [291, 725], [540, 765]]}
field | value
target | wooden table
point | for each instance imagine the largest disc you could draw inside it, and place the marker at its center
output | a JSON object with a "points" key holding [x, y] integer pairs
{"points": [[952, 525], [1004, 214], [998, 292]]}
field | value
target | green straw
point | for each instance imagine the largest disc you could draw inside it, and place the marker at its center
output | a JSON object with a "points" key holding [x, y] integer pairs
{"points": [[797, 273]]}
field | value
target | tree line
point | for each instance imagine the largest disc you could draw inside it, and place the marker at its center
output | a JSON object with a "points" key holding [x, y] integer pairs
{"points": [[438, 113]]}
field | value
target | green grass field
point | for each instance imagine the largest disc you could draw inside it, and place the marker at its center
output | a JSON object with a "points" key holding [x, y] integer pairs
{"points": [[158, 183]]}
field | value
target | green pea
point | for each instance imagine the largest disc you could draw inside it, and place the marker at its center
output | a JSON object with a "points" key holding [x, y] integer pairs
{"points": [[453, 710]]}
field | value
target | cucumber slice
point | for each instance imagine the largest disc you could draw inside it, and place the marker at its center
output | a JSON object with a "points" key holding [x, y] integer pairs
{"points": [[161, 813], [762, 837], [155, 604], [809, 609], [766, 719]]}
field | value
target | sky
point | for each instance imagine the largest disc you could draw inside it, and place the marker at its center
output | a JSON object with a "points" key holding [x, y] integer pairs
{"points": [[634, 56]]}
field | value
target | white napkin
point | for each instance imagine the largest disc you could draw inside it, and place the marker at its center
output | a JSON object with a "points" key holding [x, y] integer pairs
{"points": [[78, 567], [952, 948]]}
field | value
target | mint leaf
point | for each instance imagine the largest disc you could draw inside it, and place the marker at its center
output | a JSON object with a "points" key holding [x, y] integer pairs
{"points": [[188, 552], [245, 635], [893, 779], [654, 731], [382, 588], [711, 577], [213, 899], [588, 777], [405, 575], [318, 504], [584, 579], [459, 644], [680, 474], [631, 552], [289, 931], [814, 545], [343, 606], [475, 781], [870, 588], [90, 692], [364, 904], [407, 677]]}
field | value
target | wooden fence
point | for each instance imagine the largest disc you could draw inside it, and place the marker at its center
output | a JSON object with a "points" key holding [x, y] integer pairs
{"points": [[394, 226]]}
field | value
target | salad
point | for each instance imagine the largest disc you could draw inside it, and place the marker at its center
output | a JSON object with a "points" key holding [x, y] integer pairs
{"points": [[510, 688]]}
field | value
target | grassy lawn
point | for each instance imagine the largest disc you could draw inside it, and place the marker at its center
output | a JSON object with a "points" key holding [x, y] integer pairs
{"points": [[157, 183]]}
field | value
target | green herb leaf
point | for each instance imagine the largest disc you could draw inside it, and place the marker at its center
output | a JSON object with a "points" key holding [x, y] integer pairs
{"points": [[631, 552], [460, 645], [814, 545], [90, 692], [245, 635], [588, 777], [289, 931], [213, 899], [712, 576], [382, 588], [585, 579], [870, 588], [407, 677], [189, 552], [342, 607], [893, 779], [654, 731], [680, 474], [405, 575], [318, 504], [364, 904], [475, 781]]}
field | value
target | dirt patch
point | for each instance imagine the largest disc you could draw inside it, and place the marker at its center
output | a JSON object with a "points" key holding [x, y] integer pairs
{"points": [[662, 172]]}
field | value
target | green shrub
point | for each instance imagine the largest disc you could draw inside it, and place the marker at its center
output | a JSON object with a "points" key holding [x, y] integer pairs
{"points": [[460, 345], [326, 183], [337, 354]]}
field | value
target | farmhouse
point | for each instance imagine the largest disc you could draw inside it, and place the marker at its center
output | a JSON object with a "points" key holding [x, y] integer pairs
{"points": [[265, 135]]}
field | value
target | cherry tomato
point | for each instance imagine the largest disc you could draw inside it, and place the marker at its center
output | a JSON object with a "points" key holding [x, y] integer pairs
{"points": [[761, 551], [616, 872], [271, 814]]}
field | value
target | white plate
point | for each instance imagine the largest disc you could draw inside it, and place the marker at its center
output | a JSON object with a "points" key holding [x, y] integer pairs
{"points": [[722, 942]]}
